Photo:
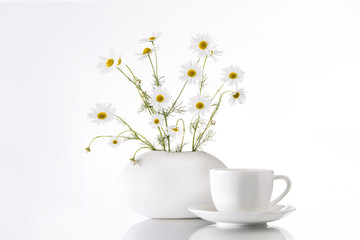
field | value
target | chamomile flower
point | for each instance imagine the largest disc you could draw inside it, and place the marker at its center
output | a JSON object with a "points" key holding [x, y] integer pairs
{"points": [[159, 98], [202, 45], [173, 131], [146, 52], [233, 75], [153, 37], [102, 113], [191, 72], [157, 120], [199, 105], [111, 62], [114, 142], [214, 53], [237, 96]]}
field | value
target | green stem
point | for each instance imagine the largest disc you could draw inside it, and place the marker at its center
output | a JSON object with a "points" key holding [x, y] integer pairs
{"points": [[88, 148], [152, 65], [144, 140], [177, 98], [193, 141], [150, 110], [130, 71], [123, 132], [133, 158], [217, 91], [126, 75], [203, 75], [168, 137], [163, 145], [156, 61], [205, 62], [155, 75], [137, 86]]}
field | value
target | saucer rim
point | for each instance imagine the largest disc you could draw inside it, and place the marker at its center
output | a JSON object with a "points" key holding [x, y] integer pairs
{"points": [[286, 209]]}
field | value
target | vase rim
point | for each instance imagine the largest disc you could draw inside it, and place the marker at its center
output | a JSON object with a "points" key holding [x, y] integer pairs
{"points": [[242, 169], [181, 152]]}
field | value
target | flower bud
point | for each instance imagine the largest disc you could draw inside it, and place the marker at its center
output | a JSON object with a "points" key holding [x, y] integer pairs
{"points": [[213, 122]]}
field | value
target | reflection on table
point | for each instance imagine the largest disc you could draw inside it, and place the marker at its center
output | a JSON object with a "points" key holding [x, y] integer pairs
{"points": [[158, 229], [197, 229], [260, 232]]}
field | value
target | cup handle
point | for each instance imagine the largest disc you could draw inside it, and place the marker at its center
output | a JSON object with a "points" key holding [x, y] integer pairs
{"points": [[286, 191]]}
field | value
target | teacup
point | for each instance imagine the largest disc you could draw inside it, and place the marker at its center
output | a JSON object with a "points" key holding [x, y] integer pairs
{"points": [[245, 190]]}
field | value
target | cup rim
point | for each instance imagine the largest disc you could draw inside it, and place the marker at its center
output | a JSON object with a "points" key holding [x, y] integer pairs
{"points": [[242, 169]]}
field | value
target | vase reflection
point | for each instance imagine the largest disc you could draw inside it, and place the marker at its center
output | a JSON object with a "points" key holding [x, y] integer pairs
{"points": [[159, 229], [259, 232], [197, 229]]}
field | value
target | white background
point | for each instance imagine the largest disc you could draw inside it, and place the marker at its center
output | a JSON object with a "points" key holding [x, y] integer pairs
{"points": [[301, 117]]}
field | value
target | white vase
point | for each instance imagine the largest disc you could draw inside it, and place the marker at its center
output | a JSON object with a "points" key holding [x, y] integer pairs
{"points": [[165, 184]]}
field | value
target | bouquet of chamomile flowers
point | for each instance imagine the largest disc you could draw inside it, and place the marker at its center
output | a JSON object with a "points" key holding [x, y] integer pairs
{"points": [[161, 109]]}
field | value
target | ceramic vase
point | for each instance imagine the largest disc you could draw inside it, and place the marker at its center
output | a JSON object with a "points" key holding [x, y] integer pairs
{"points": [[166, 184]]}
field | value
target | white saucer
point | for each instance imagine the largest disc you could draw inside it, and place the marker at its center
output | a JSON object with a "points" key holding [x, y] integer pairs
{"points": [[208, 212]]}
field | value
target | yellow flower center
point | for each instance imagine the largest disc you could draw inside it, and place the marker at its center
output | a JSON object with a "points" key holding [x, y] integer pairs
{"points": [[102, 115], [146, 51], [115, 142], [152, 38], [191, 73], [233, 75], [236, 95], [119, 62], [109, 62], [200, 105], [160, 98], [175, 129], [203, 45], [156, 121]]}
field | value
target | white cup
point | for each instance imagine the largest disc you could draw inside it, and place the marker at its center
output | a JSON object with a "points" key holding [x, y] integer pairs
{"points": [[245, 190]]}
